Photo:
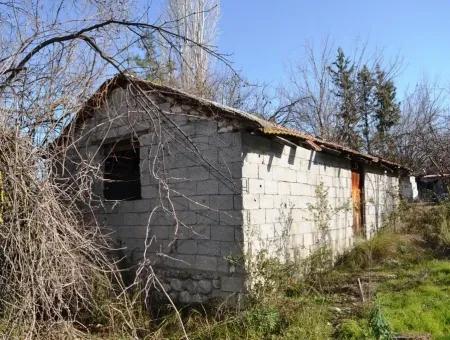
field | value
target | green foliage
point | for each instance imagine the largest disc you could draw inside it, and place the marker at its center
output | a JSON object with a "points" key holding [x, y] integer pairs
{"points": [[365, 104], [385, 248], [154, 67], [342, 75], [368, 108], [379, 326], [353, 330], [387, 110], [271, 276], [417, 301], [322, 212], [263, 319]]}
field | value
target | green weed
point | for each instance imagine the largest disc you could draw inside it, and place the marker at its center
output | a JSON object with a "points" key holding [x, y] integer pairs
{"points": [[420, 307]]}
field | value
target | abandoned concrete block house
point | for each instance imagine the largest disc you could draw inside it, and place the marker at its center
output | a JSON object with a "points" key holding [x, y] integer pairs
{"points": [[196, 186]]}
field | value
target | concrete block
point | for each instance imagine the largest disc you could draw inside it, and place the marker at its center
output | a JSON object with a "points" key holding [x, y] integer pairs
{"points": [[284, 188], [193, 173], [257, 217], [296, 189], [237, 202], [256, 186], [232, 284], [251, 201], [265, 172], [203, 262], [149, 191], [235, 170], [186, 217], [221, 202], [228, 188], [180, 203], [182, 159], [271, 187], [157, 218], [187, 247], [250, 170], [132, 219], [230, 249], [208, 247], [160, 232], [115, 220], [230, 217], [195, 232], [238, 235], [222, 233], [207, 217], [125, 232], [140, 205], [266, 201], [232, 154], [273, 215], [199, 202], [253, 158], [182, 261], [210, 187]]}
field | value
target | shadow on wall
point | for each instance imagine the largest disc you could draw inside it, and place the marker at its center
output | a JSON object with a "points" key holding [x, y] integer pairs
{"points": [[268, 148]]}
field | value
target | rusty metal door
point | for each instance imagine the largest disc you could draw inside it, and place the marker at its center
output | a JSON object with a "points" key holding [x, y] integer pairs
{"points": [[358, 200]]}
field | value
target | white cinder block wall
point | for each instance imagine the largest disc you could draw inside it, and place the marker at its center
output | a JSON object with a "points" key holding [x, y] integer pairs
{"points": [[255, 194], [279, 183], [381, 196], [200, 253]]}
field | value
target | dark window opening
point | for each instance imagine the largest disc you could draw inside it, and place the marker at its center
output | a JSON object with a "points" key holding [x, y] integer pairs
{"points": [[121, 171]]}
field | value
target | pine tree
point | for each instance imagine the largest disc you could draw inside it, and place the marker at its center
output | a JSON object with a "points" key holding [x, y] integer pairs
{"points": [[342, 75], [387, 110], [365, 104]]}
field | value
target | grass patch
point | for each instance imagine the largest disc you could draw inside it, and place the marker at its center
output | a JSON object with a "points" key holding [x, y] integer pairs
{"points": [[419, 300], [386, 249], [281, 315]]}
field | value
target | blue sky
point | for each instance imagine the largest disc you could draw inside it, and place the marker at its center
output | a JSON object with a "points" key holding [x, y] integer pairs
{"points": [[263, 36]]}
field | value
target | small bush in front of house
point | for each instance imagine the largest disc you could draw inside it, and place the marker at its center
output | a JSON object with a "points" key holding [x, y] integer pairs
{"points": [[386, 248]]}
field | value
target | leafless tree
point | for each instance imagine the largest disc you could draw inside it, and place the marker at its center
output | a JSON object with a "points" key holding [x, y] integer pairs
{"points": [[423, 133], [196, 20], [54, 260], [308, 98]]}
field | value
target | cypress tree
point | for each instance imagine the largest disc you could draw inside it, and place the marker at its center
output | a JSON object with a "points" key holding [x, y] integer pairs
{"points": [[365, 104], [342, 75], [387, 110]]}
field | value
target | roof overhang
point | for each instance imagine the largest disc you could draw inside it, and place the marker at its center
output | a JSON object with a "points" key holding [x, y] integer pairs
{"points": [[218, 111]]}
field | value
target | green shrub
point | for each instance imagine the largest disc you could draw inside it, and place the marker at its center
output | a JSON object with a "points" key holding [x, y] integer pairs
{"points": [[353, 330], [386, 247], [379, 326], [264, 320]]}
